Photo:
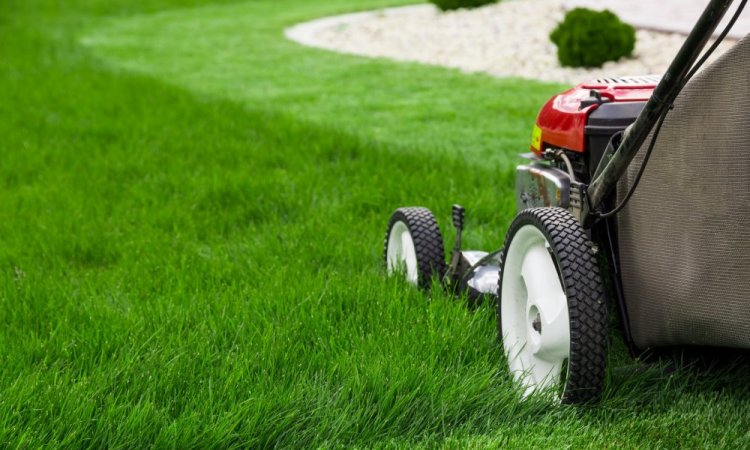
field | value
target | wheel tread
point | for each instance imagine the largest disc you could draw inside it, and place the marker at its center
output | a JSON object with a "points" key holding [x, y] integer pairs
{"points": [[584, 289], [428, 242]]}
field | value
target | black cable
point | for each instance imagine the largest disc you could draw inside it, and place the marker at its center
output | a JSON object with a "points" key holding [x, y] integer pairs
{"points": [[663, 116], [716, 43], [630, 193]]}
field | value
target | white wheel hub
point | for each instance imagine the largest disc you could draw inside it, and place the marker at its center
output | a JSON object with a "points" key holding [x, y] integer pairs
{"points": [[401, 255], [534, 312]]}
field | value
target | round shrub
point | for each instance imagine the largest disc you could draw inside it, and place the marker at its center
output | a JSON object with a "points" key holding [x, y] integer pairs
{"points": [[587, 38], [445, 5]]}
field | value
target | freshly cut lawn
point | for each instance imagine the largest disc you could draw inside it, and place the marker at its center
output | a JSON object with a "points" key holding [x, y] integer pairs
{"points": [[191, 220], [237, 52]]}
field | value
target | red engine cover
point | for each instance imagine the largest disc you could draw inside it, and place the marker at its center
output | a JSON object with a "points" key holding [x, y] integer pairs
{"points": [[561, 121]]}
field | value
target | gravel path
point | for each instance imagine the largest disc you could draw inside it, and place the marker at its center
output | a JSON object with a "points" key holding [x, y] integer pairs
{"points": [[508, 39], [666, 15]]}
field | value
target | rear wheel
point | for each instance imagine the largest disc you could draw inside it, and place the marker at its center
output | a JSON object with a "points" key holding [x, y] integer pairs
{"points": [[552, 315], [414, 246]]}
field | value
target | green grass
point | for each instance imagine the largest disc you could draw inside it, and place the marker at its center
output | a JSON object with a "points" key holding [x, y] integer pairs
{"points": [[191, 221], [236, 52]]}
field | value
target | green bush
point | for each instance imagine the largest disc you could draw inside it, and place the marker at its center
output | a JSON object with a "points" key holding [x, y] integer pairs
{"points": [[587, 38], [445, 5]]}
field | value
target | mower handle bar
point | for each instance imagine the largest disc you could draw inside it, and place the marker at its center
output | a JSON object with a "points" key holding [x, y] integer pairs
{"points": [[661, 99]]}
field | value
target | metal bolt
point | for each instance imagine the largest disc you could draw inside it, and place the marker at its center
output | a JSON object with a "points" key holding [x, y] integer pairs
{"points": [[536, 324]]}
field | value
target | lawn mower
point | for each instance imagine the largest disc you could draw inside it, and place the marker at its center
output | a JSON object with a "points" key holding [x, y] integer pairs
{"points": [[667, 249]]}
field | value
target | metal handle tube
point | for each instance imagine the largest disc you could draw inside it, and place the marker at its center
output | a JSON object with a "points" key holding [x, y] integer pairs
{"points": [[661, 99]]}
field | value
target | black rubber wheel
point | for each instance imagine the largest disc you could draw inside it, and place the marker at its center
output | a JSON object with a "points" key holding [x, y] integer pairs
{"points": [[548, 259], [414, 246]]}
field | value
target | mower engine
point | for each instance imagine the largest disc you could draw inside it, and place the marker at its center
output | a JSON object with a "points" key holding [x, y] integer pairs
{"points": [[572, 131]]}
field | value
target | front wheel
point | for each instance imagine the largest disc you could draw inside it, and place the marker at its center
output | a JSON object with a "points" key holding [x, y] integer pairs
{"points": [[552, 315], [414, 246]]}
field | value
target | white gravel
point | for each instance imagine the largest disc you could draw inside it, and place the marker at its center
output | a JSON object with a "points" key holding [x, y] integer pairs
{"points": [[508, 39]]}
